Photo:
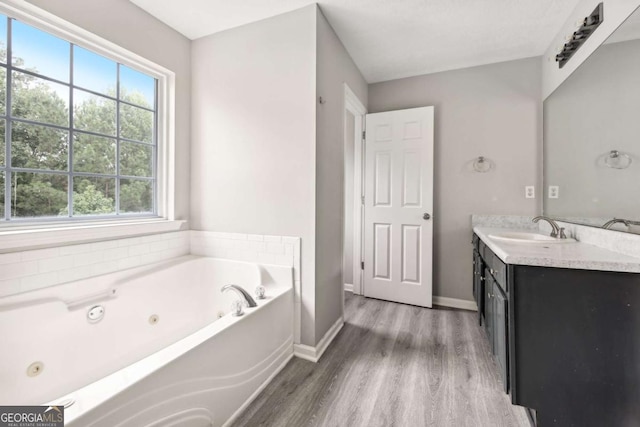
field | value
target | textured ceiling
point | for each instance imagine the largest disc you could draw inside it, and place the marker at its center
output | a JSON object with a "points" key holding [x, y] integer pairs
{"points": [[390, 39]]}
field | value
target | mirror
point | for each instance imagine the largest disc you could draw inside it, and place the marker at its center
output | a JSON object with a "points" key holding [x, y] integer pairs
{"points": [[592, 137]]}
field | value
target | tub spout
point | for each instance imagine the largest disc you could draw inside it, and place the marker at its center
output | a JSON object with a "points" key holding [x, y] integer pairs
{"points": [[248, 299]]}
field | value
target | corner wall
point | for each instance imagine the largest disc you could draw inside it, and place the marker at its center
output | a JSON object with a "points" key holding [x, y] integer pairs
{"points": [[334, 68], [493, 111], [123, 23], [253, 136]]}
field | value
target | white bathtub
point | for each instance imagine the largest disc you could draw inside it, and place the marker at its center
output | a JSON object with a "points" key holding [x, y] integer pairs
{"points": [[190, 368]]}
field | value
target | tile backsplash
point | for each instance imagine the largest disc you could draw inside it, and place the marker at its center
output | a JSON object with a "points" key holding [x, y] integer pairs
{"points": [[28, 270], [258, 248]]}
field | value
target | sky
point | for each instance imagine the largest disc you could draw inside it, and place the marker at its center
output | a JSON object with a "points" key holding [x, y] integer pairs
{"points": [[50, 56]]}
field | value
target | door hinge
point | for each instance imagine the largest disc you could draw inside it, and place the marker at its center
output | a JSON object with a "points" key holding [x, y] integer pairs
{"points": [[362, 265], [364, 135], [362, 199]]}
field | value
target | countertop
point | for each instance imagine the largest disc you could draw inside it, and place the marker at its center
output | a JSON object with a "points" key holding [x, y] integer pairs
{"points": [[575, 255]]}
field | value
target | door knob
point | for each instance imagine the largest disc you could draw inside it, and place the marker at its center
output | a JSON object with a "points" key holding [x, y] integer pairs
{"points": [[426, 216]]}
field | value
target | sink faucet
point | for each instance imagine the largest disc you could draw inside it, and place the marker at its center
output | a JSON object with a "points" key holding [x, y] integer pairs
{"points": [[556, 231], [248, 299], [607, 225]]}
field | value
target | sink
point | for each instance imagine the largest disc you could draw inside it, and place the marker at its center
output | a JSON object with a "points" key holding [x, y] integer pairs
{"points": [[531, 238]]}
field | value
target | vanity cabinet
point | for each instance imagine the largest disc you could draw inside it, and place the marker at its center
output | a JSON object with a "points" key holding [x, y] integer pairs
{"points": [[566, 341], [489, 289]]}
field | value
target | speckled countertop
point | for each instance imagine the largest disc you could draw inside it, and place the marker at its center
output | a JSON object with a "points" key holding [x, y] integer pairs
{"points": [[576, 255]]}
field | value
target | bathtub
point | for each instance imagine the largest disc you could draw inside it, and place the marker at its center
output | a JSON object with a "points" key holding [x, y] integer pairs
{"points": [[160, 349]]}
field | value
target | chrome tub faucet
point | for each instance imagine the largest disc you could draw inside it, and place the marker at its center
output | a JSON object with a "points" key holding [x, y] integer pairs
{"points": [[248, 299]]}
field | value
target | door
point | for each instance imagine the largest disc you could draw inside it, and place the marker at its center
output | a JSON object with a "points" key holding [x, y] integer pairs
{"points": [[398, 230], [489, 308], [478, 283], [500, 333]]}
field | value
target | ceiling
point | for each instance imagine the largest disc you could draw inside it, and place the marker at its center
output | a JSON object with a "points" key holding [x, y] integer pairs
{"points": [[390, 39]]}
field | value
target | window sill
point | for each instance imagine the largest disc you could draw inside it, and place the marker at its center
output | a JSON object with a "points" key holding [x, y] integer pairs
{"points": [[36, 237]]}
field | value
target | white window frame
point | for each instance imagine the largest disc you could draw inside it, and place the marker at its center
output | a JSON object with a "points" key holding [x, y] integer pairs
{"points": [[41, 232]]}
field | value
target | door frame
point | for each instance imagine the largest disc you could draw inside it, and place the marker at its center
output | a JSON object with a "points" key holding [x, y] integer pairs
{"points": [[353, 105]]}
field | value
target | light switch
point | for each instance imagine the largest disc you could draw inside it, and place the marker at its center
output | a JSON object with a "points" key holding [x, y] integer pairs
{"points": [[554, 191], [530, 192]]}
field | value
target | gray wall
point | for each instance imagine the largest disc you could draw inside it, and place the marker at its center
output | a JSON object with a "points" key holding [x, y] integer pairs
{"points": [[334, 67], [596, 110], [492, 111], [253, 136], [123, 23]]}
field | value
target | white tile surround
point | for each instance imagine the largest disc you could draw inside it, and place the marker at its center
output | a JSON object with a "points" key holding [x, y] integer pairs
{"points": [[33, 269], [263, 249]]}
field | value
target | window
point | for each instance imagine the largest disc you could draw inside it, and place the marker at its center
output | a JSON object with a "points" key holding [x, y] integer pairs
{"points": [[79, 131]]}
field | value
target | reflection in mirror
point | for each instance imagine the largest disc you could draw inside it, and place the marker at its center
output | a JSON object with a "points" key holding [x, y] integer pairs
{"points": [[592, 137]]}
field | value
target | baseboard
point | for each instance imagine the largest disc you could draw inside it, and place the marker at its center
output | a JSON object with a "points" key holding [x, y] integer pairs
{"points": [[313, 354], [462, 304], [255, 394], [348, 287]]}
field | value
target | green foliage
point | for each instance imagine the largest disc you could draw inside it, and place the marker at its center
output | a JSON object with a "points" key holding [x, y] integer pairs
{"points": [[47, 148], [38, 197], [90, 202], [136, 196]]}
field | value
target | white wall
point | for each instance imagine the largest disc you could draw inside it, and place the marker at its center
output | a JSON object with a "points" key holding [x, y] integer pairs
{"points": [[253, 136], [123, 23], [334, 68], [615, 13], [493, 111]]}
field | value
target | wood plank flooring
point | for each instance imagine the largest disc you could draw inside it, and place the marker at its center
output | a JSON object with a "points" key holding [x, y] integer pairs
{"points": [[392, 365]]}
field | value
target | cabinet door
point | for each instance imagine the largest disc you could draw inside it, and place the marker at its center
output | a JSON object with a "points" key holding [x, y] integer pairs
{"points": [[500, 333], [478, 284], [489, 309]]}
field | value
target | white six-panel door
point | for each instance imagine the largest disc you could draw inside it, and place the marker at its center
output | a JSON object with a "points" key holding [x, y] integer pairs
{"points": [[398, 230]]}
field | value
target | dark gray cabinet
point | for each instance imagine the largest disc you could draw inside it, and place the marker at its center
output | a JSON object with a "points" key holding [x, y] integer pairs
{"points": [[565, 340], [500, 336], [478, 283], [489, 289]]}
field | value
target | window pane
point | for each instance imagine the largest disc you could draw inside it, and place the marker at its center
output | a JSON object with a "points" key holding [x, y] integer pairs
{"points": [[39, 100], [2, 148], [93, 196], [3, 43], [3, 90], [136, 123], [2, 175], [39, 52], [38, 195], [94, 72], [94, 113], [137, 88], [136, 196], [94, 154], [136, 159], [39, 147]]}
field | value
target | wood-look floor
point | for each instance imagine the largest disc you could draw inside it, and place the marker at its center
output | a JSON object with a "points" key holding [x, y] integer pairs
{"points": [[392, 365]]}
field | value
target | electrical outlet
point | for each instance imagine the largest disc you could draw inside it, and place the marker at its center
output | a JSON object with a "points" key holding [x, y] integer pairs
{"points": [[530, 192], [554, 191]]}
